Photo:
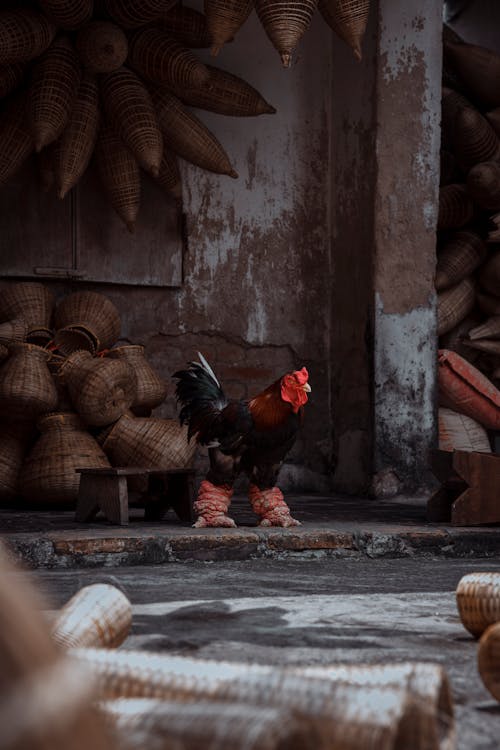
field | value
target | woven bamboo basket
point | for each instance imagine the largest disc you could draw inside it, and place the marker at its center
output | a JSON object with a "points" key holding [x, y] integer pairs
{"points": [[147, 723], [489, 346], [475, 141], [28, 300], [151, 390], [12, 450], [68, 14], [488, 304], [24, 35], [10, 78], [160, 58], [169, 176], [93, 312], [120, 176], [48, 473], [101, 389], [458, 432], [39, 336], [97, 616], [489, 275], [454, 339], [488, 659], [75, 338], [26, 387], [187, 26], [131, 114], [15, 137], [483, 185], [479, 69], [133, 13], [149, 442], [478, 601], [224, 19], [55, 80], [13, 330], [348, 19], [285, 23], [452, 103], [226, 94], [460, 257], [490, 329], [455, 207], [455, 304], [188, 137], [102, 47]]}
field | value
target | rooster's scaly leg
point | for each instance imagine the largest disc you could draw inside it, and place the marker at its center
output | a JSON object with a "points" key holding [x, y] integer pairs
{"points": [[212, 505], [270, 505]]}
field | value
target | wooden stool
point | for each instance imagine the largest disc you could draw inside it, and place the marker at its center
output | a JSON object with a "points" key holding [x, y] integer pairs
{"points": [[470, 490], [107, 490]]}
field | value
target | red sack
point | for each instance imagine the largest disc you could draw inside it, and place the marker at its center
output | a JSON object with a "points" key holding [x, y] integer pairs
{"points": [[466, 390]]}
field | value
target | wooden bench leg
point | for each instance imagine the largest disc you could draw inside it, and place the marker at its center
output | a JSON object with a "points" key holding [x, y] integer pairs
{"points": [[109, 494], [87, 505], [180, 489]]}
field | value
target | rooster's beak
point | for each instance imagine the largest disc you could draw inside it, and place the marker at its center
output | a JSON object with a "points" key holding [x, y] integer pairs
{"points": [[306, 387]]}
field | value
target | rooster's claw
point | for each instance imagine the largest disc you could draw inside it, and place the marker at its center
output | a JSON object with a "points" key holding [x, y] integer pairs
{"points": [[214, 522], [285, 523]]}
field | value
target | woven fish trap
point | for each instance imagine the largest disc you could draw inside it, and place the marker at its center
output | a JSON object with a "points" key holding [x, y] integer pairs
{"points": [[161, 59], [39, 336], [92, 310], [151, 390], [490, 329], [28, 300], [226, 94], [15, 137], [188, 137], [102, 47], [101, 389], [98, 616], [187, 25], [474, 139], [131, 114], [48, 473], [478, 601], [24, 34], [12, 450], [77, 143], [462, 254], [26, 387], [455, 304], [169, 176], [55, 81], [455, 207], [68, 14], [13, 330], [224, 19], [75, 338], [133, 13], [285, 23], [489, 275], [10, 77], [120, 176], [220, 726], [348, 19], [478, 68], [488, 660], [483, 185], [150, 443], [488, 304]]}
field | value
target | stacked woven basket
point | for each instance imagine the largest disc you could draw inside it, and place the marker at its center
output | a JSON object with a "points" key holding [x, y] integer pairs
{"points": [[468, 263], [74, 402], [114, 80]]}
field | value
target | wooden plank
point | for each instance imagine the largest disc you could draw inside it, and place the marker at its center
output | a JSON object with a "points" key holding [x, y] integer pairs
{"points": [[479, 504]]}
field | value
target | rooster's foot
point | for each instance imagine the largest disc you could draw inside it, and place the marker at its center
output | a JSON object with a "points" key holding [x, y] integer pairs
{"points": [[212, 505], [214, 521], [270, 505], [285, 521]]}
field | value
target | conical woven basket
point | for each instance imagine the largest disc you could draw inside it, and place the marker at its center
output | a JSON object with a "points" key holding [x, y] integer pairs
{"points": [[474, 139], [188, 137], [55, 80], [460, 257], [102, 47], [133, 13], [483, 185], [26, 386], [10, 77], [186, 25], [489, 276], [455, 304], [24, 34], [151, 390], [101, 389], [48, 474], [488, 304], [488, 660], [348, 19], [158, 57], [13, 330], [98, 616], [94, 312], [77, 143], [68, 14], [490, 329], [478, 601], [452, 103], [12, 450], [120, 176], [169, 176], [455, 207], [479, 69], [224, 19], [149, 442], [285, 22], [131, 114], [15, 137], [226, 94], [28, 300]]}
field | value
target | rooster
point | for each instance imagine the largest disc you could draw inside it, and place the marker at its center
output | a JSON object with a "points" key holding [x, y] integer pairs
{"points": [[242, 436]]}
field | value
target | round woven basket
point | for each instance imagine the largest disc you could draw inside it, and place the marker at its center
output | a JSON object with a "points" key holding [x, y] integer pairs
{"points": [[12, 450], [488, 659], [94, 313], [68, 14], [28, 300], [48, 473], [13, 330], [478, 601], [151, 390], [284, 23], [150, 443], [27, 389], [24, 34], [102, 47], [224, 19], [120, 176]]}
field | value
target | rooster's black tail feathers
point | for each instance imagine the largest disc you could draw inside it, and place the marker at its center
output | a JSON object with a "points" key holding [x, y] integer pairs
{"points": [[202, 398]]}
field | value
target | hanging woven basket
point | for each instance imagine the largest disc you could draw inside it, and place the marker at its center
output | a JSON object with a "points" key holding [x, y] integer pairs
{"points": [[131, 114], [285, 22], [151, 390], [187, 26], [224, 19], [10, 78], [460, 257], [158, 57], [475, 141], [133, 13], [26, 386], [455, 207], [120, 176], [24, 35], [15, 137], [102, 47], [478, 68], [149, 442], [93, 311], [455, 304], [28, 300], [169, 176], [68, 14], [348, 19]]}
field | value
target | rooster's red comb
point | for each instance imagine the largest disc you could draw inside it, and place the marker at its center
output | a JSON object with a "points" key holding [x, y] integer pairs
{"points": [[301, 376]]}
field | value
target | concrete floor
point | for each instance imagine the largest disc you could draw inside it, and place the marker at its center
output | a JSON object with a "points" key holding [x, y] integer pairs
{"points": [[307, 612]]}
